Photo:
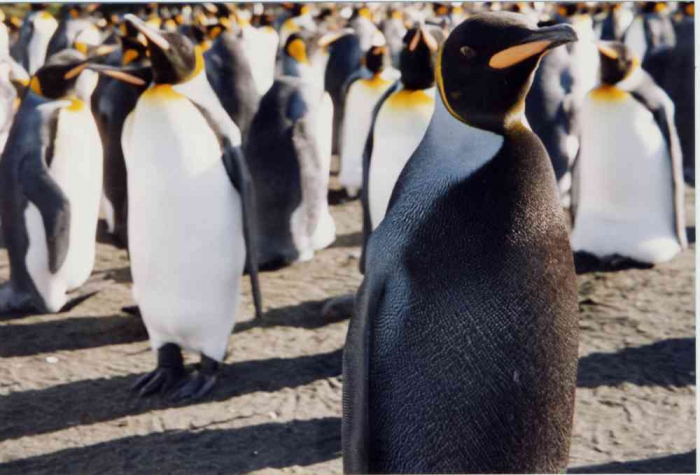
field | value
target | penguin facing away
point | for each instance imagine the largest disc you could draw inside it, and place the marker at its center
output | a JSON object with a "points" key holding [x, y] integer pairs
{"points": [[288, 155], [190, 216], [51, 180], [469, 297], [630, 201], [360, 98], [35, 34], [399, 122]]}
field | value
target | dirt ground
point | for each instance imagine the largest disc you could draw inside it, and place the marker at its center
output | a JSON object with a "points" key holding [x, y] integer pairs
{"points": [[65, 404]]}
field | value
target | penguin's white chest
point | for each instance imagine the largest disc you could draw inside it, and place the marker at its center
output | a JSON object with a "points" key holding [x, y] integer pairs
{"points": [[260, 46], [76, 167], [400, 126], [185, 224], [361, 99], [626, 187], [44, 28]]}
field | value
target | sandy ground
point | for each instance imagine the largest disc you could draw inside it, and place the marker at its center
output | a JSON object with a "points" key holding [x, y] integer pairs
{"points": [[65, 404]]}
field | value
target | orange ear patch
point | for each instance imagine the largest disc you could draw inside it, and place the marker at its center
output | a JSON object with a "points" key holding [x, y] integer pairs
{"points": [[516, 54]]}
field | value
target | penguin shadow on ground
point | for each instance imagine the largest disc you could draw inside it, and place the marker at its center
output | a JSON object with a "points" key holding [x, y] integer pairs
{"points": [[297, 443], [339, 197], [665, 363], [104, 237], [676, 463], [75, 333], [91, 401], [308, 315], [347, 240], [74, 300]]}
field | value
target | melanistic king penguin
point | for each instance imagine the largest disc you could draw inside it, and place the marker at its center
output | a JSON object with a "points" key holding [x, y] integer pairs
{"points": [[288, 153], [399, 122], [361, 95], [50, 181], [462, 354], [191, 222], [630, 199]]}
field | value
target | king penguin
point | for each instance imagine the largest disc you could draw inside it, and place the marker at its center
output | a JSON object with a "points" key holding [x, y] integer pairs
{"points": [[51, 181], [76, 29], [288, 153], [361, 95], [191, 220], [399, 122], [630, 199], [462, 353], [34, 36]]}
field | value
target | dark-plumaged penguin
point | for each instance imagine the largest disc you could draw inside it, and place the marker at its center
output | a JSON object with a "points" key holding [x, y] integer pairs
{"points": [[113, 100], [462, 353], [288, 153], [191, 224], [51, 182], [398, 124], [629, 201], [230, 75]]}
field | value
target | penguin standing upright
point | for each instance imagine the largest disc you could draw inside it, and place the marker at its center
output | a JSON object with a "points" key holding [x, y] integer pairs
{"points": [[399, 122], [394, 31], [288, 153], [190, 216], [75, 30], [651, 28], [112, 104], [231, 77], [360, 98], [50, 181], [630, 180], [34, 36], [261, 44], [462, 353]]}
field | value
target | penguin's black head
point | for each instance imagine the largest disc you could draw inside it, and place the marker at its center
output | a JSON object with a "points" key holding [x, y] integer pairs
{"points": [[174, 58], [57, 78], [617, 62], [486, 65], [375, 59], [418, 56]]}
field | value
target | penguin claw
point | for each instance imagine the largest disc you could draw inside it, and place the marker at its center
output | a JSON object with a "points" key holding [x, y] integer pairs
{"points": [[161, 380], [194, 387]]}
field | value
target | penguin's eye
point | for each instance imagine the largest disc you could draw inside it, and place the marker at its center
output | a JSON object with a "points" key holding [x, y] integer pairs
{"points": [[467, 52]]}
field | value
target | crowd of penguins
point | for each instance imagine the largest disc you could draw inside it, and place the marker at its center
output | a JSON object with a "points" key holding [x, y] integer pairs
{"points": [[486, 141]]}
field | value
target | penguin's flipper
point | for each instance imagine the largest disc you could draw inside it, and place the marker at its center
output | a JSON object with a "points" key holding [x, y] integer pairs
{"points": [[238, 173], [41, 189], [366, 159], [356, 356], [657, 102]]}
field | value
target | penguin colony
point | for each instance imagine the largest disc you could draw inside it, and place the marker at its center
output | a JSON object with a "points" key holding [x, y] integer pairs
{"points": [[486, 142]]}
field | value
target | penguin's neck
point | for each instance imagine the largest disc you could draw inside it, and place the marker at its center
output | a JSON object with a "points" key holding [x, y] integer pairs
{"points": [[456, 140]]}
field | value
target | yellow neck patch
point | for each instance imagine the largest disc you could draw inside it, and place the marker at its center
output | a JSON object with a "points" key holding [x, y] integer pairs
{"points": [[129, 56], [441, 86], [75, 105], [410, 99], [161, 92], [297, 50], [377, 81], [35, 86], [45, 16], [608, 93]]}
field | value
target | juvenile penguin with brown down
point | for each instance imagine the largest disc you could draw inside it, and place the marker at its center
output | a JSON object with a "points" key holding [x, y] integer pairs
{"points": [[462, 353]]}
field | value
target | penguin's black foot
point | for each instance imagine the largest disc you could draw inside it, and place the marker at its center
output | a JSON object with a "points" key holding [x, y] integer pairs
{"points": [[132, 310], [199, 383], [167, 375]]}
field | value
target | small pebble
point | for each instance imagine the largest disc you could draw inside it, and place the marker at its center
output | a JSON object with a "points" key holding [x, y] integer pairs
{"points": [[52, 359]]}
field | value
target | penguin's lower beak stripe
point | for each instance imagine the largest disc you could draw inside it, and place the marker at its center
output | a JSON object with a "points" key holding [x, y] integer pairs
{"points": [[609, 52], [75, 71], [536, 43], [116, 74], [516, 54], [152, 35]]}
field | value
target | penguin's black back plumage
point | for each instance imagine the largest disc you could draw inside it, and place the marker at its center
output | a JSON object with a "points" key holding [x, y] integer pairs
{"points": [[344, 59], [228, 71]]}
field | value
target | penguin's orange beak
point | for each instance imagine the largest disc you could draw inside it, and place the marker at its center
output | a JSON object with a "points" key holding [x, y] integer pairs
{"points": [[536, 43], [116, 73], [150, 33]]}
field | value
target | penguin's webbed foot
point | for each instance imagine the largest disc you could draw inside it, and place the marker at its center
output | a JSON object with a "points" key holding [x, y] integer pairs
{"points": [[167, 375], [199, 383]]}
